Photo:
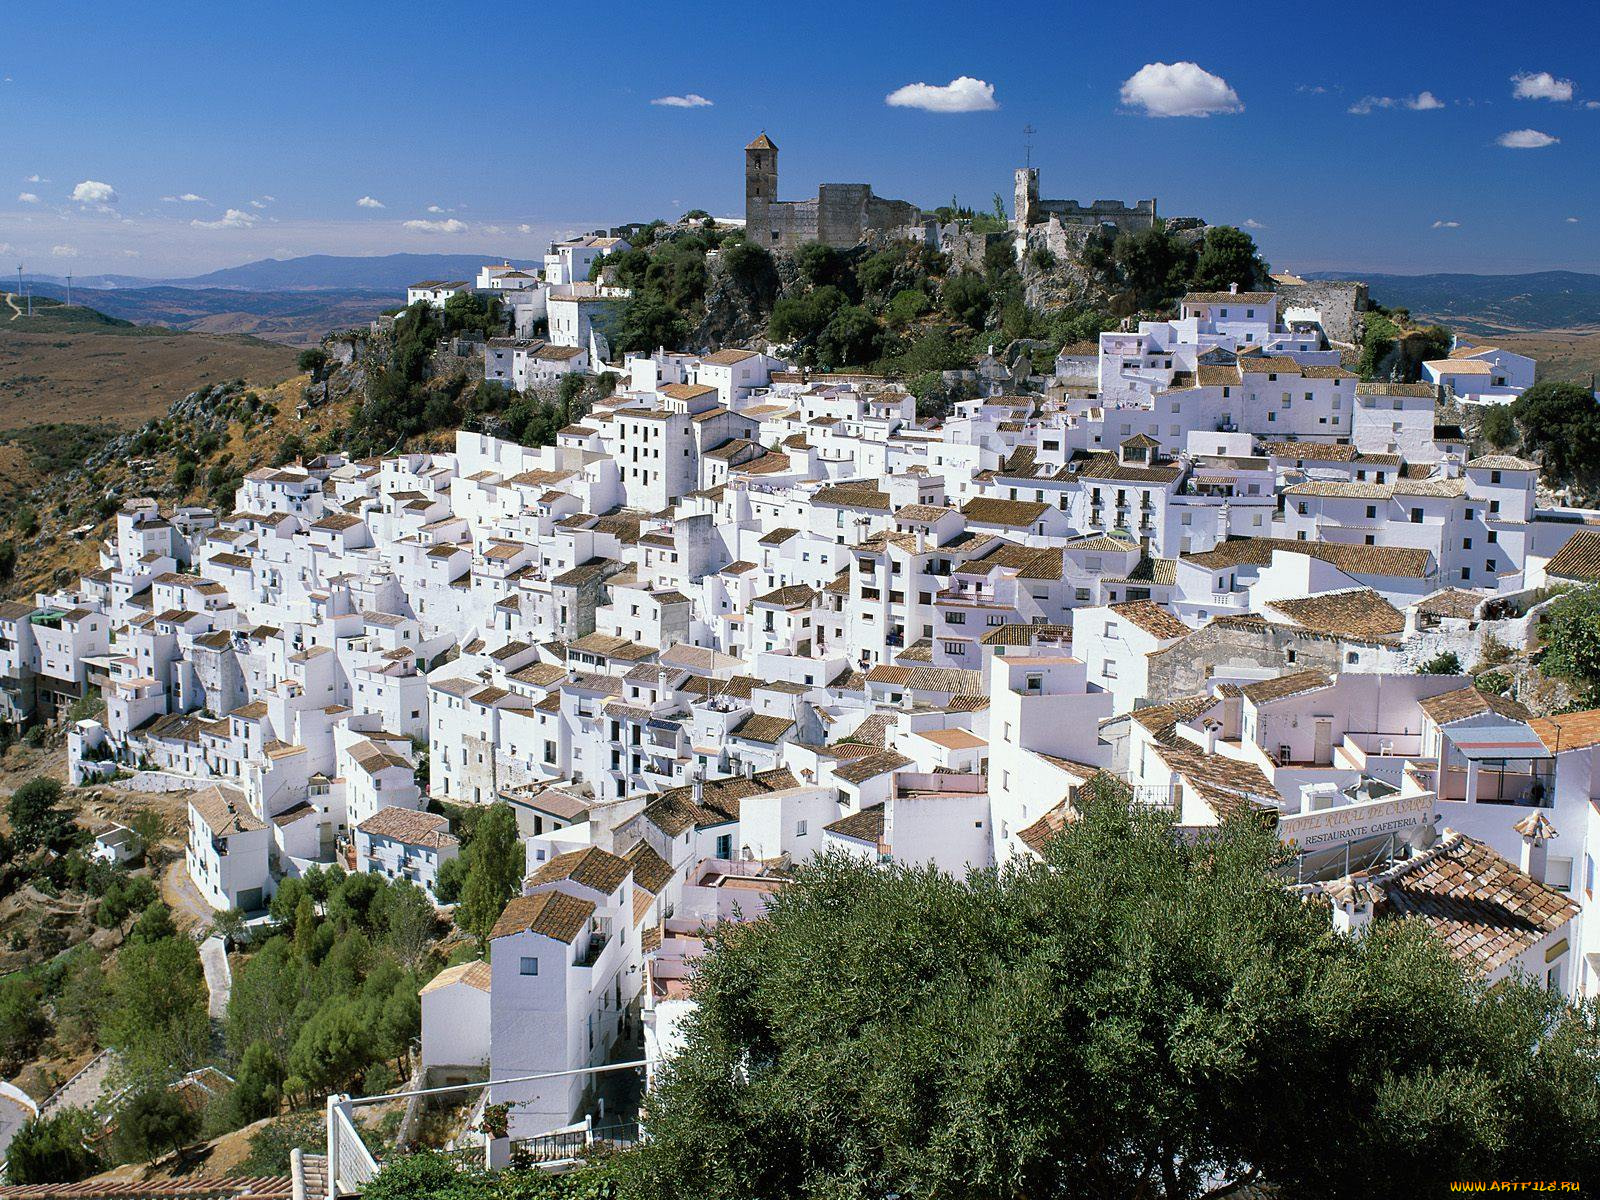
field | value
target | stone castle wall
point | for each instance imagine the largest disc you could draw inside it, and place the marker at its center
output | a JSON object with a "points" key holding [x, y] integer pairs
{"points": [[1340, 301]]}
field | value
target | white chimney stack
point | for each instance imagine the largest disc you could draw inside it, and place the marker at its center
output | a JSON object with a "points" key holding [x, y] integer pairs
{"points": [[1354, 900], [1536, 830]]}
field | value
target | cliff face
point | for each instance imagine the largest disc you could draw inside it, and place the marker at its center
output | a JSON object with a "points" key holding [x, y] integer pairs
{"points": [[737, 309]]}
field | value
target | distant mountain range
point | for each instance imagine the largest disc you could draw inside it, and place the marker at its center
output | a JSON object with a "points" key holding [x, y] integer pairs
{"points": [[1489, 303], [311, 273]]}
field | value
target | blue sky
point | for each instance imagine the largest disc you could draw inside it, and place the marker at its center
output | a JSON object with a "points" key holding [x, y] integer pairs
{"points": [[489, 128]]}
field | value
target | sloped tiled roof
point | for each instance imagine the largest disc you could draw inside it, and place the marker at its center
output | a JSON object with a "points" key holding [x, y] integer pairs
{"points": [[591, 867], [1152, 618], [553, 914], [863, 826], [1357, 613], [1484, 909], [1467, 702]]}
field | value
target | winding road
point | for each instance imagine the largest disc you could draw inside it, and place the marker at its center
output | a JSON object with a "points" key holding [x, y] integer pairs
{"points": [[16, 309]]}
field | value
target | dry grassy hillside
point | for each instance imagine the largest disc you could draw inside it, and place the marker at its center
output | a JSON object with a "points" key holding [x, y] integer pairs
{"points": [[76, 365]]}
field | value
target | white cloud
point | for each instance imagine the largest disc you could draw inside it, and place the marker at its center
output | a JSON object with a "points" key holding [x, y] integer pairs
{"points": [[525, 228], [369, 202], [92, 191], [35, 178], [234, 218], [1447, 224], [130, 254], [27, 198], [1252, 223], [1526, 139], [1181, 89], [1421, 102], [64, 251], [687, 100], [262, 201], [1572, 220], [450, 226], [961, 94], [186, 198], [1591, 103], [1312, 89], [434, 208], [1540, 85]]}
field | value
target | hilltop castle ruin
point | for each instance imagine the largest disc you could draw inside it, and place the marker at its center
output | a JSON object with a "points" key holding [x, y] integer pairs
{"points": [[840, 215], [1030, 210]]}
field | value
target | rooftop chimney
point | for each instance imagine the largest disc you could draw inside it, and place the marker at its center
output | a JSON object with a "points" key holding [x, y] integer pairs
{"points": [[1354, 899], [1233, 289], [1536, 830]]}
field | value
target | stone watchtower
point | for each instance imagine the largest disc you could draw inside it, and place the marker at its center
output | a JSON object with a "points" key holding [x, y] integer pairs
{"points": [[1027, 197], [760, 183]]}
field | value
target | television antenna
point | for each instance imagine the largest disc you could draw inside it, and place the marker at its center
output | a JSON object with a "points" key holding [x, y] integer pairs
{"points": [[1027, 144]]}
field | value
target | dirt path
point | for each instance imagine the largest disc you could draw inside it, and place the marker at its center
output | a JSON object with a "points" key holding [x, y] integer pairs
{"points": [[16, 310], [189, 908]]}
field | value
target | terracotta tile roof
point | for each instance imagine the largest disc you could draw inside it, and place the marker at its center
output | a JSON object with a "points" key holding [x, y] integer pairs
{"points": [[476, 973], [1357, 613], [758, 728], [852, 497], [1013, 514], [1579, 559], [1467, 702], [409, 825], [189, 1187], [1036, 836], [1313, 451], [863, 826], [225, 811], [1483, 908], [675, 810], [552, 914], [1152, 618], [1452, 602], [1285, 686], [1229, 786], [591, 867], [870, 766], [1394, 561], [1162, 720], [1569, 731], [1501, 462], [796, 595], [727, 358], [651, 872]]}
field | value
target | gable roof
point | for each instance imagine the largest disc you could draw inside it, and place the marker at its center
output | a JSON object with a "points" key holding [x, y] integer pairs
{"points": [[551, 914], [1152, 618], [591, 867], [1356, 612], [1484, 909]]}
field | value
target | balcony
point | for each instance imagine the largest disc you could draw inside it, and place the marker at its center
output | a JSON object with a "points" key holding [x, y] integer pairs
{"points": [[590, 953]]}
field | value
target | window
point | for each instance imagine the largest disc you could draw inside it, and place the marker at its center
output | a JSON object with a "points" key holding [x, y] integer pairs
{"points": [[1416, 516], [1352, 657], [1558, 873], [725, 845], [529, 966], [956, 618], [957, 648], [1372, 511], [1494, 476], [1109, 669], [800, 829]]}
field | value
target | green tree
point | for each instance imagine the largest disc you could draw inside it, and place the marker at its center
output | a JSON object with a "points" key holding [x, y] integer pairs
{"points": [[334, 1047], [410, 924], [494, 870], [851, 338], [22, 1021], [154, 924], [801, 319], [908, 304], [312, 361], [8, 559], [1499, 427], [1446, 663], [648, 322], [54, 1149], [1561, 422], [1570, 633], [267, 988], [154, 1121], [158, 1016], [1228, 257], [1137, 1014], [37, 818], [966, 298], [258, 1084], [451, 876]]}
